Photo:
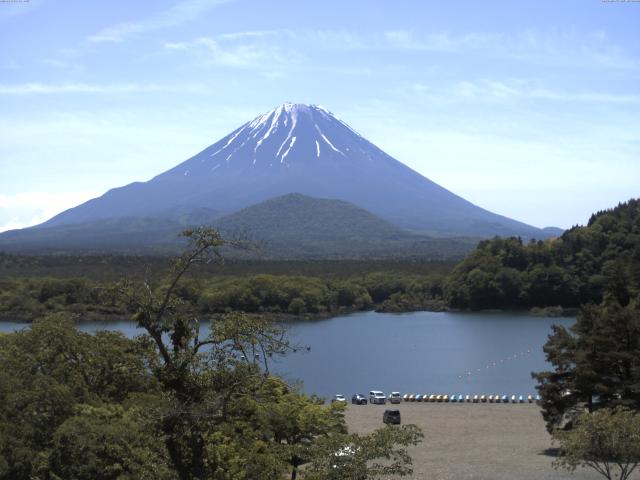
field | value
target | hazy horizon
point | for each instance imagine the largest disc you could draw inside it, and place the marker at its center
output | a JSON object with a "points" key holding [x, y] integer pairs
{"points": [[527, 110]]}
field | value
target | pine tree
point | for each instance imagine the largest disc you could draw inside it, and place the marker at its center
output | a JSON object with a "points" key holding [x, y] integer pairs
{"points": [[596, 363]]}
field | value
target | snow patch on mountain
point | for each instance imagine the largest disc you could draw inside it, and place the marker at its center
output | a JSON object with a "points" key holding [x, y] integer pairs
{"points": [[293, 141], [289, 133]]}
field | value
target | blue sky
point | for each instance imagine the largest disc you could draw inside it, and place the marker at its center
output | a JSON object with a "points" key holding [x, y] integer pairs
{"points": [[529, 109]]}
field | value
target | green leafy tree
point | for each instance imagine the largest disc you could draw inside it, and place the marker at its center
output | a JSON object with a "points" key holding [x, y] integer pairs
{"points": [[201, 377], [297, 422], [379, 454], [596, 363], [47, 371], [607, 441], [575, 269], [106, 443]]}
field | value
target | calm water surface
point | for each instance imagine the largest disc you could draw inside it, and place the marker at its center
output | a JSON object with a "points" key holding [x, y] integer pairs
{"points": [[420, 352]]}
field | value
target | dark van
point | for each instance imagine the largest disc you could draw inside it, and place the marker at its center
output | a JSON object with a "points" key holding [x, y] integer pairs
{"points": [[391, 417]]}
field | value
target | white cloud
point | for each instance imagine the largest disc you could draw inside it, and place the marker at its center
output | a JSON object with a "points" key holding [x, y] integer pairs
{"points": [[178, 14], [253, 34], [264, 48], [562, 48], [489, 90], [441, 41], [328, 39], [511, 90], [212, 51], [79, 87], [25, 209]]}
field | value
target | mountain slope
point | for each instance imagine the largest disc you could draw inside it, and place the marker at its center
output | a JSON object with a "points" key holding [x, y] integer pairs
{"points": [[299, 148], [127, 235], [298, 217], [292, 226], [297, 226]]}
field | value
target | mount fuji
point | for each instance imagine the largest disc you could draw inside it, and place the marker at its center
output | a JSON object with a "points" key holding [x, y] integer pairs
{"points": [[303, 149]]}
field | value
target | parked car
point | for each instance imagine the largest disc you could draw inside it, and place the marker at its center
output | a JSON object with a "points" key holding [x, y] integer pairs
{"points": [[358, 399], [395, 397], [338, 398], [343, 457], [377, 397], [391, 416]]}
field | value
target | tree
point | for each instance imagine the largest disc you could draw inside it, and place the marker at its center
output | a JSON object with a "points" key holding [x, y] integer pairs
{"points": [[297, 422], [596, 363], [608, 441], [360, 457], [109, 442], [201, 377], [46, 372]]}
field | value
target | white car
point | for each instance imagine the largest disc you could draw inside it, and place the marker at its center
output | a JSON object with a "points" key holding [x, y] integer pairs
{"points": [[376, 396], [395, 397], [343, 457], [339, 398]]}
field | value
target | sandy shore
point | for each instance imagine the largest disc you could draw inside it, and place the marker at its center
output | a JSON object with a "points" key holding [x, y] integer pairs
{"points": [[473, 441]]}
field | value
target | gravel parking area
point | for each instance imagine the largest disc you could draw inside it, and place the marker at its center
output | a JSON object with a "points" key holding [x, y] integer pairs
{"points": [[473, 441]]}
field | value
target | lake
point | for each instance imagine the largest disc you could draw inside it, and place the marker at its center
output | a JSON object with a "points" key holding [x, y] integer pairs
{"points": [[419, 352]]}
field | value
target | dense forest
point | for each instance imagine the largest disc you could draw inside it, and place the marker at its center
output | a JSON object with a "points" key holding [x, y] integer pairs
{"points": [[32, 297], [116, 267], [568, 271], [502, 273]]}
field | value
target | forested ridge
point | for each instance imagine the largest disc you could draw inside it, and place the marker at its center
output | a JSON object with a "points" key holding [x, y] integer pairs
{"points": [[502, 273], [312, 296], [569, 271]]}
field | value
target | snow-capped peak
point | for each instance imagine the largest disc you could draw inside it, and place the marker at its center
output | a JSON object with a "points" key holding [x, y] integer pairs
{"points": [[288, 134]]}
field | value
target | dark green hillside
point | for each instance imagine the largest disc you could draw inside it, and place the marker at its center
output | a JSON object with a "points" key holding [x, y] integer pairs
{"points": [[575, 269], [124, 235], [309, 219], [297, 226], [291, 227]]}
